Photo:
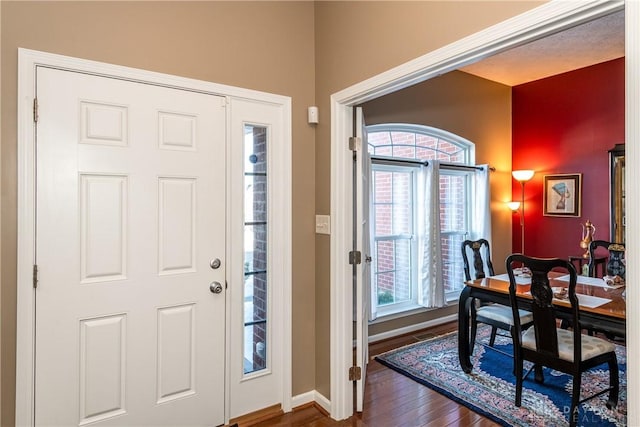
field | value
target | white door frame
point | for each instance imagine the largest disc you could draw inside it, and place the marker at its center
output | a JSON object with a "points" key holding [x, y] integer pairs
{"points": [[28, 60], [544, 20]]}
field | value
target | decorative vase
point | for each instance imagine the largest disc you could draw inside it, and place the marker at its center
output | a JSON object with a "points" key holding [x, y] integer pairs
{"points": [[588, 231]]}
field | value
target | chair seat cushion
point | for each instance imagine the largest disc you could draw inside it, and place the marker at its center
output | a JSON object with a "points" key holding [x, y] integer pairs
{"points": [[502, 313], [591, 346]]}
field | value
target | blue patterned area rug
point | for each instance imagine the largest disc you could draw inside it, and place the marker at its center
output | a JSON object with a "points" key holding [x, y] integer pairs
{"points": [[490, 388]]}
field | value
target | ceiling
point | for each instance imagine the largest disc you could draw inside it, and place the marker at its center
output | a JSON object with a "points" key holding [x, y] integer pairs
{"points": [[587, 44]]}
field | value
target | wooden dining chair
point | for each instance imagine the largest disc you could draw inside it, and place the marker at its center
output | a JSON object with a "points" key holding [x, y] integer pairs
{"points": [[544, 344], [497, 315], [615, 265]]}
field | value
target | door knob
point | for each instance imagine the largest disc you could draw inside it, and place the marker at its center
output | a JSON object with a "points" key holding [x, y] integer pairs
{"points": [[215, 264], [215, 287]]}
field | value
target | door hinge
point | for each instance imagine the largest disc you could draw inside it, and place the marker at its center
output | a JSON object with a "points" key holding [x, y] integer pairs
{"points": [[355, 373], [35, 276], [35, 110], [355, 257], [354, 143]]}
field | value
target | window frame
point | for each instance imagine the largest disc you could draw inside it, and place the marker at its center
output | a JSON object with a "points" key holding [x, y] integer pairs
{"points": [[468, 155], [453, 295], [467, 146], [251, 220], [412, 302]]}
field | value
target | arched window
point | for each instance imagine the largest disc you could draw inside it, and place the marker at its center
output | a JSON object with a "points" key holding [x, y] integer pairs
{"points": [[397, 152], [419, 142]]}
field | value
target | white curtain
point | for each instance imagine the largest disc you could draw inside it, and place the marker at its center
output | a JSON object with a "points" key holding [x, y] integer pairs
{"points": [[431, 283], [481, 219], [481, 213]]}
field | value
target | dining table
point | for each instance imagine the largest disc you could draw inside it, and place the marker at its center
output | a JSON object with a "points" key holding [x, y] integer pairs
{"points": [[602, 305]]}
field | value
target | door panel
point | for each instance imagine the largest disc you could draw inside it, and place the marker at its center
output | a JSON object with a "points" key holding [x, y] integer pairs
{"points": [[176, 356], [363, 270], [103, 227], [130, 211], [102, 361]]}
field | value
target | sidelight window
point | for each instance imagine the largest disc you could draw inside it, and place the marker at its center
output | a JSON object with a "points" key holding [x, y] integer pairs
{"points": [[255, 249]]}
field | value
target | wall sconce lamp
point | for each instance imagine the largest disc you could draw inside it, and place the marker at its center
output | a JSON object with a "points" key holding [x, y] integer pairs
{"points": [[514, 206], [522, 176]]}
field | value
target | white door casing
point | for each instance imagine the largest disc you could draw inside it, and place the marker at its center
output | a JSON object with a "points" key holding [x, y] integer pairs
{"points": [[28, 62], [544, 20], [128, 219]]}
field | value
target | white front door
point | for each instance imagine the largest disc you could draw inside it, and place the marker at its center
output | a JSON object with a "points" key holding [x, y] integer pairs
{"points": [[130, 217]]}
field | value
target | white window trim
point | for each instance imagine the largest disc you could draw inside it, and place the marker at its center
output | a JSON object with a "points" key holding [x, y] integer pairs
{"points": [[411, 304], [452, 296], [470, 148], [408, 307], [544, 20]]}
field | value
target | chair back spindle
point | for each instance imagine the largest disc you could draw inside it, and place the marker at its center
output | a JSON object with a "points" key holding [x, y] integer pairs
{"points": [[544, 318]]}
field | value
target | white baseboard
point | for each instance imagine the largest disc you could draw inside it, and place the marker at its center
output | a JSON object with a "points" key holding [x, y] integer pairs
{"points": [[412, 328], [303, 399], [314, 396], [323, 402], [311, 396]]}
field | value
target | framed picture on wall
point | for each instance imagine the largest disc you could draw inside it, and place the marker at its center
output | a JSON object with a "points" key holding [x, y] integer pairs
{"points": [[562, 194]]}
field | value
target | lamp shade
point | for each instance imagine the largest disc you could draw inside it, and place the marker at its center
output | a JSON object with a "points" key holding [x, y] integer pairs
{"points": [[514, 206], [523, 175]]}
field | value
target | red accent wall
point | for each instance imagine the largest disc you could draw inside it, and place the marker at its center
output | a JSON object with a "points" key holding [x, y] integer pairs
{"points": [[567, 124]]}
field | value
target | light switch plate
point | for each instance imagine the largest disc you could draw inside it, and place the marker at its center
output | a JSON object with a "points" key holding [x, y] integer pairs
{"points": [[323, 224]]}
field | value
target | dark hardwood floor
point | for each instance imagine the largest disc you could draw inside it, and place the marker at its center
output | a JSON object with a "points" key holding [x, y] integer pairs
{"points": [[392, 399]]}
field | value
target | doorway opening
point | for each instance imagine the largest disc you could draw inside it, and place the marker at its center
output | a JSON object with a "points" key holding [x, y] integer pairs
{"points": [[544, 20]]}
